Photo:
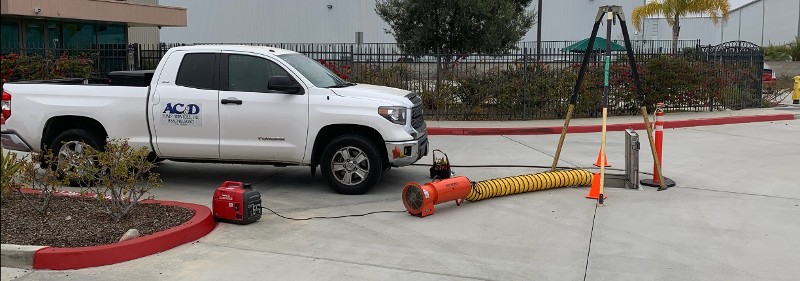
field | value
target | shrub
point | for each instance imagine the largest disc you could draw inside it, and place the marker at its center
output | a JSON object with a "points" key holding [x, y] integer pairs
{"points": [[45, 181], [794, 49], [392, 76], [10, 166], [341, 70], [777, 53], [17, 67], [123, 175], [777, 91]]}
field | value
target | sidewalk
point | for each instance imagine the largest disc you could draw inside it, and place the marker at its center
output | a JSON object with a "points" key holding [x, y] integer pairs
{"points": [[614, 123]]}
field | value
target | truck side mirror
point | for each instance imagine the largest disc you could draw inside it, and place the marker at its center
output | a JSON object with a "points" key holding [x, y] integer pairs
{"points": [[284, 84]]}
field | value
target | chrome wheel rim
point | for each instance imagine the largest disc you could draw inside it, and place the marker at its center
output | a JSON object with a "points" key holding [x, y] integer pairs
{"points": [[68, 155], [350, 166]]}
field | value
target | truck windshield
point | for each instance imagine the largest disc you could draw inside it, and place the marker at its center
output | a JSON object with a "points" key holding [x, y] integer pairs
{"points": [[319, 75]]}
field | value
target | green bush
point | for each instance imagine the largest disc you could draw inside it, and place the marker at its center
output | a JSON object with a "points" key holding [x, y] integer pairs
{"points": [[45, 181], [776, 92], [123, 175], [16, 67], [513, 91], [10, 167], [794, 49], [391, 76], [777, 53]]}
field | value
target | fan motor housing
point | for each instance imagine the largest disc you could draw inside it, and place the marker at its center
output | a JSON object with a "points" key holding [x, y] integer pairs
{"points": [[420, 199]]}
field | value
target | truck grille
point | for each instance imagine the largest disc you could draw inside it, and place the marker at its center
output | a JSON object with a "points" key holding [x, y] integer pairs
{"points": [[418, 123]]}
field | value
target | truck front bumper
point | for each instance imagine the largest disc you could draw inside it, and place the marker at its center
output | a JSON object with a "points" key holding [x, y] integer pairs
{"points": [[405, 153], [9, 139]]}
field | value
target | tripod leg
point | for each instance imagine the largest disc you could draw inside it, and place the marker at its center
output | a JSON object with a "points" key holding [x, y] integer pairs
{"points": [[563, 135], [574, 98]]}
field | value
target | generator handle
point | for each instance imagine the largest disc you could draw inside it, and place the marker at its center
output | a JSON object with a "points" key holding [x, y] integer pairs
{"points": [[447, 159], [232, 184]]}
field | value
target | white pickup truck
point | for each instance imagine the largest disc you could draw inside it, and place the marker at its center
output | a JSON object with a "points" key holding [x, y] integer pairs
{"points": [[231, 104]]}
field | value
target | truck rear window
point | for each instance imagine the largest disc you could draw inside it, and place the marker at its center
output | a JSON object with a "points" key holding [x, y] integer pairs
{"points": [[197, 71]]}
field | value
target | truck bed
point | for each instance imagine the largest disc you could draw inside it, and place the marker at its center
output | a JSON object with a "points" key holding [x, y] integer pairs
{"points": [[135, 78]]}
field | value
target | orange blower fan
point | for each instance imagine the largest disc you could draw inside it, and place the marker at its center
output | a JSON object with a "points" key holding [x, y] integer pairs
{"points": [[419, 200]]}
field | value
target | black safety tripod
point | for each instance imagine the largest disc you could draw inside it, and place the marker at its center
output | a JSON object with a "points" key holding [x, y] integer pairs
{"points": [[611, 13]]}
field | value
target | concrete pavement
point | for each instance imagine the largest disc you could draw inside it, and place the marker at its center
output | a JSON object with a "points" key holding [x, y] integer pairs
{"points": [[732, 216]]}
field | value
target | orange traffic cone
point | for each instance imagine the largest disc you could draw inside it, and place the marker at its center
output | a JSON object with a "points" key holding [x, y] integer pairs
{"points": [[594, 192], [599, 159]]}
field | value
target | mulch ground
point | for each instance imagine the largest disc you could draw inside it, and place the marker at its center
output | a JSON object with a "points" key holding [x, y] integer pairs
{"points": [[79, 222]]}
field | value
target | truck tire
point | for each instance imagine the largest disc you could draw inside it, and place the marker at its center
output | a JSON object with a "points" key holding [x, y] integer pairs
{"points": [[70, 142], [351, 164]]}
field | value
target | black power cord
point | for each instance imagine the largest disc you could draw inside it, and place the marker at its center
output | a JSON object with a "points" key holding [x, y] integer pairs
{"points": [[500, 166], [331, 217]]}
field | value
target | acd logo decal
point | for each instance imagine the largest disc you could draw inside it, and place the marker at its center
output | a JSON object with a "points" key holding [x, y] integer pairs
{"points": [[180, 108], [181, 114]]}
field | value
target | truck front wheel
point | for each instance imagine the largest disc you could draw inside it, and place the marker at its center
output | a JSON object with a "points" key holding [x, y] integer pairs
{"points": [[351, 164]]}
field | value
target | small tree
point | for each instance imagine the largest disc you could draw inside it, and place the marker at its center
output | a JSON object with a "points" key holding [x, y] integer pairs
{"points": [[456, 26], [123, 175], [674, 10], [45, 181]]}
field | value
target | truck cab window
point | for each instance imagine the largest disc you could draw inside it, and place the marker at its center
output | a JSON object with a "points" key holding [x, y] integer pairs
{"points": [[197, 71], [251, 74]]}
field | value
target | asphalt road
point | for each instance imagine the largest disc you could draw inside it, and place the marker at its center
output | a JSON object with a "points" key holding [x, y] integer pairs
{"points": [[733, 216]]}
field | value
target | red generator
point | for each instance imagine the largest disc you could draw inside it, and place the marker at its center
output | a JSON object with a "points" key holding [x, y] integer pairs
{"points": [[237, 203]]}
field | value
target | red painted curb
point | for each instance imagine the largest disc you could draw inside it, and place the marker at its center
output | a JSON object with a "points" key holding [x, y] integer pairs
{"points": [[611, 127], [74, 258]]}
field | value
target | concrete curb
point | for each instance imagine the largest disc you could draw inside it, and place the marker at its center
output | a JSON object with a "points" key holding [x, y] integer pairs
{"points": [[610, 127], [18, 256], [43, 257]]}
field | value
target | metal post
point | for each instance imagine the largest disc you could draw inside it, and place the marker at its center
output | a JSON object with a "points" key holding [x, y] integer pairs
{"points": [[539, 32], [524, 81], [632, 147], [607, 69]]}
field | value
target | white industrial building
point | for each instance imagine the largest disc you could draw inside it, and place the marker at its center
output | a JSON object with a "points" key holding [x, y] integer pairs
{"points": [[337, 21], [762, 22]]}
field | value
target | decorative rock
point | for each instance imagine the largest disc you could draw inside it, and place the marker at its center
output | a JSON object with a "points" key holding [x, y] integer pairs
{"points": [[130, 234]]}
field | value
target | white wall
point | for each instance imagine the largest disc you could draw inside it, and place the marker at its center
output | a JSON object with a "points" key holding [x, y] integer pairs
{"points": [[764, 22], [782, 21], [691, 28], [310, 21]]}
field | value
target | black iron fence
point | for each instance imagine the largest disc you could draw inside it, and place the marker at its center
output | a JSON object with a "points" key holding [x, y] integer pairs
{"points": [[518, 84]]}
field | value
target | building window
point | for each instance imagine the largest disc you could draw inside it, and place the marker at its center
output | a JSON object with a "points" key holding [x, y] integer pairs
{"points": [[34, 36], [110, 34], [79, 35], [9, 37]]}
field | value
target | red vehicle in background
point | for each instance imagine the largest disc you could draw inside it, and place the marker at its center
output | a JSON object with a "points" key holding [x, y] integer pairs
{"points": [[769, 75]]}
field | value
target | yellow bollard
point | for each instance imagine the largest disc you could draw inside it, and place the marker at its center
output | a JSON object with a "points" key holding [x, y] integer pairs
{"points": [[796, 91]]}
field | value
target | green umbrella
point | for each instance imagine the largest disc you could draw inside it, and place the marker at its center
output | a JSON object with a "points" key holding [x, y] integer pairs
{"points": [[599, 46]]}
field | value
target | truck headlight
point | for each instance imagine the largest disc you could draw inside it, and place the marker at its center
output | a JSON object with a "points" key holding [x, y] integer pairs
{"points": [[395, 114]]}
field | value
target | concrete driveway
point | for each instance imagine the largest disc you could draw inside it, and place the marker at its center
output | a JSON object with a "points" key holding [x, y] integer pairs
{"points": [[735, 215]]}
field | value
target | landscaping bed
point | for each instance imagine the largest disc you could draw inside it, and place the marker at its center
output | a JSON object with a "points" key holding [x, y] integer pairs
{"points": [[77, 222]]}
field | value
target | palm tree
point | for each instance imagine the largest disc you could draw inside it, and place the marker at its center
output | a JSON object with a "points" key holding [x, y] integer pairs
{"points": [[673, 10]]}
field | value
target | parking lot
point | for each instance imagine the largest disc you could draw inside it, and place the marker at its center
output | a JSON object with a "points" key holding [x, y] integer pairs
{"points": [[732, 216]]}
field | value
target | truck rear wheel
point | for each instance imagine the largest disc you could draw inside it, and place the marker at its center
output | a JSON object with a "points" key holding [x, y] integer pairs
{"points": [[351, 164], [70, 143]]}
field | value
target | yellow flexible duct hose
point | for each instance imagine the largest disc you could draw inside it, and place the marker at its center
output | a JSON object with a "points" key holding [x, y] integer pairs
{"points": [[527, 183]]}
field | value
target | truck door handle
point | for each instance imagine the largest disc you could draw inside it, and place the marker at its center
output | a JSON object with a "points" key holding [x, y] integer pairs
{"points": [[231, 100]]}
